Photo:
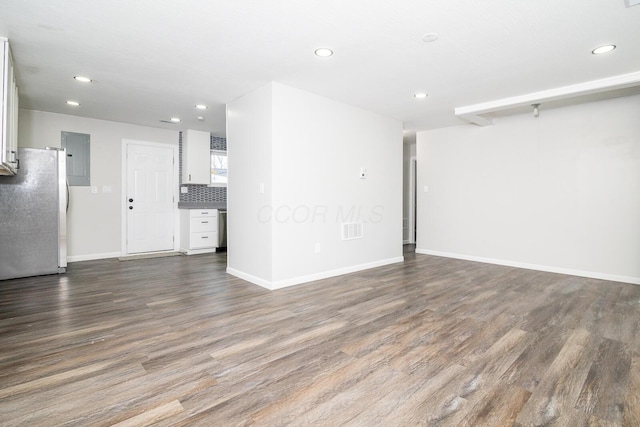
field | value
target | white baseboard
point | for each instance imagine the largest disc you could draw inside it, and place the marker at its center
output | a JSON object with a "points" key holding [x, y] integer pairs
{"points": [[547, 268], [312, 277], [249, 278], [197, 251], [91, 257]]}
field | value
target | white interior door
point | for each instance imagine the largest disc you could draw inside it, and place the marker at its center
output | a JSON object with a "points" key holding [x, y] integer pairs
{"points": [[149, 193]]}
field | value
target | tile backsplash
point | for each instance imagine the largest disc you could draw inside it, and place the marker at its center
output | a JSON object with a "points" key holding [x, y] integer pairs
{"points": [[203, 193]]}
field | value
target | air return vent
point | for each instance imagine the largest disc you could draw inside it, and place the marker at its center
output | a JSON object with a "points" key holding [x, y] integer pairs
{"points": [[351, 230]]}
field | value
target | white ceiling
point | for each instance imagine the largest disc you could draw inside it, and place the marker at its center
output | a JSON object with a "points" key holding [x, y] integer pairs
{"points": [[154, 59]]}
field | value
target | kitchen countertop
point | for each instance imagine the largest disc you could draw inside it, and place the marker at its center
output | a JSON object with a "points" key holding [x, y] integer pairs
{"points": [[202, 205]]}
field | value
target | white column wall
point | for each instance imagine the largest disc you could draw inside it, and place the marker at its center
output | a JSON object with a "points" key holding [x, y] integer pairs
{"points": [[249, 150], [320, 145], [311, 164]]}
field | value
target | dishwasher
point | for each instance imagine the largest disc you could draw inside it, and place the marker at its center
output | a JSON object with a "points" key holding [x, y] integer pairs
{"points": [[222, 228]]}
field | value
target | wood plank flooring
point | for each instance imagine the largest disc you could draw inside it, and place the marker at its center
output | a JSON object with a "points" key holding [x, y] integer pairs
{"points": [[432, 341]]}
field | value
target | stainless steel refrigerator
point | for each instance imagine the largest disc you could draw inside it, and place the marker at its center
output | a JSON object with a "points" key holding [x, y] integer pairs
{"points": [[33, 215]]}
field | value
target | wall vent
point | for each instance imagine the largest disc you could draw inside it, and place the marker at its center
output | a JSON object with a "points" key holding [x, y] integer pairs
{"points": [[352, 230]]}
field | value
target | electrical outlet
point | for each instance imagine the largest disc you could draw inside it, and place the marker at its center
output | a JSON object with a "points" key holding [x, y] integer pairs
{"points": [[184, 190]]}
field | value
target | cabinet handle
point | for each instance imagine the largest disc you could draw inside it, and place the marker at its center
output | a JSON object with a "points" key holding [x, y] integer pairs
{"points": [[189, 177], [204, 237], [204, 222]]}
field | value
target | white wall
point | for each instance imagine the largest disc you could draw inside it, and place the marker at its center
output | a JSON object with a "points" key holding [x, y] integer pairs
{"points": [[317, 149], [94, 220], [557, 193], [249, 147]]}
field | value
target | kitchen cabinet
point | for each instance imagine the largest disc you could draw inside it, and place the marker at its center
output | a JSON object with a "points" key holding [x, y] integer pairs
{"points": [[8, 113], [196, 157], [198, 230]]}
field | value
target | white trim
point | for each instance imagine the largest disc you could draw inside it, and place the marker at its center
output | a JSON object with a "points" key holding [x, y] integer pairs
{"points": [[413, 197], [249, 278], [312, 277], [538, 267], [176, 192], [91, 257]]}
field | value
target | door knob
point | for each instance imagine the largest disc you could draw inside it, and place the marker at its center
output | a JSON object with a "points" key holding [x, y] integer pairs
{"points": [[130, 200], [130, 207]]}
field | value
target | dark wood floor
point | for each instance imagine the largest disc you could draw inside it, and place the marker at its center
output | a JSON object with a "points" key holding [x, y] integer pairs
{"points": [[432, 341]]}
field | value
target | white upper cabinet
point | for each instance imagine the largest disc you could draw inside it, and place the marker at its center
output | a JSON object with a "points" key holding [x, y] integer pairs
{"points": [[8, 113], [196, 159]]}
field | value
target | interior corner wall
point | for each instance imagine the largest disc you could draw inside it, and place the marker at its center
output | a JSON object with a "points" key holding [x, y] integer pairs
{"points": [[319, 149], [94, 220], [560, 192], [249, 153]]}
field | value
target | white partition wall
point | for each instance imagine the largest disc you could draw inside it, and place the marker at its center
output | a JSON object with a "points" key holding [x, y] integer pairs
{"points": [[249, 148], [560, 192], [310, 154]]}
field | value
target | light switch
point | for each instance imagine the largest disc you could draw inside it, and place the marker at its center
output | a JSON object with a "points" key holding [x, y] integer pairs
{"points": [[363, 173], [94, 189], [107, 189], [261, 188], [426, 189]]}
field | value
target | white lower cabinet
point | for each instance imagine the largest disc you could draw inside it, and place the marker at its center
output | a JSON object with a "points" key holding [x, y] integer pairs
{"points": [[198, 231]]}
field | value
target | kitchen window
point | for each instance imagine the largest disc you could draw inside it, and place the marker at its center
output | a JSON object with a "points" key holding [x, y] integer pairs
{"points": [[218, 168]]}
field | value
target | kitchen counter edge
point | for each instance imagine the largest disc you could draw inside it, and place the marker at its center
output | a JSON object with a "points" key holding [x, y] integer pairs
{"points": [[196, 205]]}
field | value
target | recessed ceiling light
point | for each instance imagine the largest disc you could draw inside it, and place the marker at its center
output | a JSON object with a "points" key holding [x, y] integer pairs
{"points": [[73, 103], [323, 52], [82, 79], [201, 118], [430, 37], [603, 49], [420, 95], [175, 119], [201, 106]]}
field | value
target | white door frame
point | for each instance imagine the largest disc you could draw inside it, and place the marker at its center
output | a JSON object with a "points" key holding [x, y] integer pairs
{"points": [[176, 193], [413, 178]]}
